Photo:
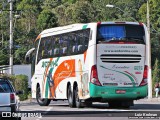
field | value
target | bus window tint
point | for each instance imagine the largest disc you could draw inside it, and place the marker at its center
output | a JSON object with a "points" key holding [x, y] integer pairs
{"points": [[41, 50], [57, 46], [65, 46], [71, 43], [129, 33]]}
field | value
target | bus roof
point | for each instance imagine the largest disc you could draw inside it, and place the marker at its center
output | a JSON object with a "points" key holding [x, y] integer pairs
{"points": [[76, 27]]}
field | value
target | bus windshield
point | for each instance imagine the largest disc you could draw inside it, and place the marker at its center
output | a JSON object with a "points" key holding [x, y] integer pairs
{"points": [[124, 32]]}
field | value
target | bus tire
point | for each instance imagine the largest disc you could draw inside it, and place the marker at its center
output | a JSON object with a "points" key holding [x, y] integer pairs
{"points": [[41, 102], [77, 100], [71, 98]]}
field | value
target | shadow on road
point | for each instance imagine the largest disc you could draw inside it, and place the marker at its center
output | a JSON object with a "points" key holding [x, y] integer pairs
{"points": [[146, 106]]}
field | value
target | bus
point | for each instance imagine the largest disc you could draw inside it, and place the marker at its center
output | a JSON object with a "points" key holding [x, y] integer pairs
{"points": [[91, 62]]}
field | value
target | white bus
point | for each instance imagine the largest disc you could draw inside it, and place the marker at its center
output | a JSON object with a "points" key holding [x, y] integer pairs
{"points": [[94, 62]]}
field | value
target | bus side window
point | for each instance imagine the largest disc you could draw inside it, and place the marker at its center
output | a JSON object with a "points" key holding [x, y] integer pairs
{"points": [[52, 46], [72, 43], [40, 51], [79, 42], [86, 34], [57, 46], [65, 46], [49, 47]]}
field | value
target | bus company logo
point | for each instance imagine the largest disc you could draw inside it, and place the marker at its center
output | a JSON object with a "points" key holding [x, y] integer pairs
{"points": [[111, 84], [130, 47], [120, 67], [130, 83]]}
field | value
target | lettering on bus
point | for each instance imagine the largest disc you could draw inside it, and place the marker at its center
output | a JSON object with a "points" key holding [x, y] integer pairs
{"points": [[138, 67], [111, 84], [120, 67], [132, 47], [130, 83], [129, 51], [52, 64]]}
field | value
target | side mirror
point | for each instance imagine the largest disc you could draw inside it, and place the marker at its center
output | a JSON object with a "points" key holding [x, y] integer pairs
{"points": [[28, 55], [19, 92]]}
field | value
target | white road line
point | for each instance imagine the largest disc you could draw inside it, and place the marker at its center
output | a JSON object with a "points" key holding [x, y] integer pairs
{"points": [[49, 109]]}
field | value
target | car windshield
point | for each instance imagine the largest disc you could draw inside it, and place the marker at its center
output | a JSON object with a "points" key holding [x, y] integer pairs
{"points": [[5, 87], [124, 32]]}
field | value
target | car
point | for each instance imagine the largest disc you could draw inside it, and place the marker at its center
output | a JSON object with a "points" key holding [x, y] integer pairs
{"points": [[8, 97]]}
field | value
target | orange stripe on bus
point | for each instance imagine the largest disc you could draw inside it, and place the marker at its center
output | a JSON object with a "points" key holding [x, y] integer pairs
{"points": [[85, 53], [65, 70], [38, 37]]}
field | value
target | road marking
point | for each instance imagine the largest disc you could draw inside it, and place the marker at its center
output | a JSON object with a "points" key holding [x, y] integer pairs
{"points": [[49, 109]]}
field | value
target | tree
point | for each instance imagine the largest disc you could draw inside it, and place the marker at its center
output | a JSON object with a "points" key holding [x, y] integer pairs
{"points": [[46, 19], [156, 73], [3, 58], [155, 22]]}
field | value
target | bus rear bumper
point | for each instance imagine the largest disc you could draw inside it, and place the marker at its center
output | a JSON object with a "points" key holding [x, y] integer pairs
{"points": [[109, 92]]}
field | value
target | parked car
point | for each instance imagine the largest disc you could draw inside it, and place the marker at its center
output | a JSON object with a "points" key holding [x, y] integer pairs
{"points": [[8, 97]]}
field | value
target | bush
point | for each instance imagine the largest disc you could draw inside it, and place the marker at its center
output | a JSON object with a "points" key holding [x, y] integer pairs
{"points": [[21, 83]]}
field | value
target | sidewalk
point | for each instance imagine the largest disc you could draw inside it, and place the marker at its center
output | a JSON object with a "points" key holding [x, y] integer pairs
{"points": [[154, 99], [29, 101]]}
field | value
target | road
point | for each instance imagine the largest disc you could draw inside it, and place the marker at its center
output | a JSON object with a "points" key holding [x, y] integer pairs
{"points": [[61, 111]]}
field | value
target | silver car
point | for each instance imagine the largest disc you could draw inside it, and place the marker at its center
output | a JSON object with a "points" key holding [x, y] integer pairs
{"points": [[8, 97]]}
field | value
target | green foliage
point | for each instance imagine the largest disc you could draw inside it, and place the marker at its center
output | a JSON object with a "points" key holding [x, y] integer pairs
{"points": [[46, 19], [21, 83], [3, 58], [156, 73], [37, 15], [83, 12]]}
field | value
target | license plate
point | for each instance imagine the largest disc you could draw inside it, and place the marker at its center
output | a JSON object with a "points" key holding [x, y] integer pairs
{"points": [[120, 91]]}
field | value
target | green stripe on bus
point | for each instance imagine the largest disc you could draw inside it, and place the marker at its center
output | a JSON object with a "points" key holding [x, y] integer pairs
{"points": [[109, 92], [46, 90], [84, 26]]}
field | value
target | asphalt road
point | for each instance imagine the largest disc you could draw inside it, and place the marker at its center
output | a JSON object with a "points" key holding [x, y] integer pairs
{"points": [[61, 111]]}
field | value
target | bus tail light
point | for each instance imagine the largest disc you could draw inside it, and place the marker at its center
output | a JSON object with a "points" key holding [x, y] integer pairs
{"points": [[98, 23], [12, 97], [145, 76], [94, 76]]}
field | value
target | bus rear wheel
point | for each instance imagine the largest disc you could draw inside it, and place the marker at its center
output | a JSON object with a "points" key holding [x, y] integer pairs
{"points": [[71, 98], [77, 100], [41, 101]]}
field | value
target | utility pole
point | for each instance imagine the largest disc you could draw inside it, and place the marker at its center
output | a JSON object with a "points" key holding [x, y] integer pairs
{"points": [[149, 55], [11, 38]]}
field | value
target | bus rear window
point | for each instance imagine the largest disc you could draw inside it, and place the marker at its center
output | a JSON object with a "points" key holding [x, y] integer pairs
{"points": [[128, 33]]}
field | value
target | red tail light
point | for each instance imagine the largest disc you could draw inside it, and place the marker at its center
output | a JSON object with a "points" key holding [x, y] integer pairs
{"points": [[145, 76], [140, 23], [98, 23], [12, 97], [94, 76]]}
